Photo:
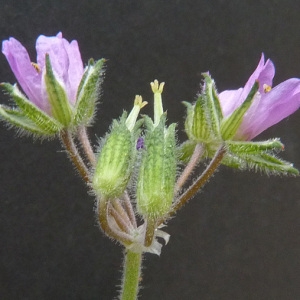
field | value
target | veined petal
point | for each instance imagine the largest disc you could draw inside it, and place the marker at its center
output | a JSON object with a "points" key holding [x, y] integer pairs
{"points": [[229, 101], [271, 108], [264, 74], [28, 77], [54, 46], [75, 71]]}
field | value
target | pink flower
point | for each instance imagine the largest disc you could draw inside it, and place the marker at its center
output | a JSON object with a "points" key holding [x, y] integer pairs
{"points": [[66, 64], [269, 106]]}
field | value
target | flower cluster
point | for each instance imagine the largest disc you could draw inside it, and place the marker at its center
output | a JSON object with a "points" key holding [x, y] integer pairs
{"points": [[139, 174], [141, 157]]}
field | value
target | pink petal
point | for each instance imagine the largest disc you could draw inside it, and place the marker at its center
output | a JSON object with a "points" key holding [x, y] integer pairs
{"points": [[264, 73], [232, 99], [75, 71], [54, 46], [229, 100], [27, 76], [273, 106]]}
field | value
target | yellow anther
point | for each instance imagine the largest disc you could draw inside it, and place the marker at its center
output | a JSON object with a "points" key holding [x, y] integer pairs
{"points": [[267, 88], [36, 66]]}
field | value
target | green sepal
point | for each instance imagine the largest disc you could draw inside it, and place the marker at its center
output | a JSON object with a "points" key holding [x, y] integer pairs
{"points": [[258, 156], [241, 147], [186, 150], [201, 128], [17, 118], [88, 92], [204, 117], [230, 125], [157, 174], [188, 124], [58, 99], [270, 164], [214, 110], [115, 160], [47, 124]]}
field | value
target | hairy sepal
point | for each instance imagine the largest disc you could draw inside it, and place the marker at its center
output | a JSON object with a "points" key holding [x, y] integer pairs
{"points": [[60, 106], [42, 121], [230, 125], [88, 92], [258, 156]]}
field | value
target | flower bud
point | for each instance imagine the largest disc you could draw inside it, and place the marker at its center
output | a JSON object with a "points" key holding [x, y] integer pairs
{"points": [[156, 181]]}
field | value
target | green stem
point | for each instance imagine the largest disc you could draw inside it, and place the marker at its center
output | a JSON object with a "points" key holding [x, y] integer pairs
{"points": [[132, 272]]}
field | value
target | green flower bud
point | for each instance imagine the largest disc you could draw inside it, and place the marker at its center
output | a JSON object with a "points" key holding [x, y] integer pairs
{"points": [[156, 181]]}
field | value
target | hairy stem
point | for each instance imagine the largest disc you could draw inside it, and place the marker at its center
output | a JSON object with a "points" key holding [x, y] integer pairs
{"points": [[129, 209], [103, 210], [86, 145], [198, 152], [200, 181], [68, 142], [131, 275], [150, 231], [122, 222], [122, 212]]}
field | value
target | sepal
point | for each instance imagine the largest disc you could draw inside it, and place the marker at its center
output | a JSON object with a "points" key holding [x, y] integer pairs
{"points": [[241, 147], [258, 156], [28, 116], [201, 128], [186, 150], [88, 92], [60, 106], [203, 119], [214, 110], [16, 118]]}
